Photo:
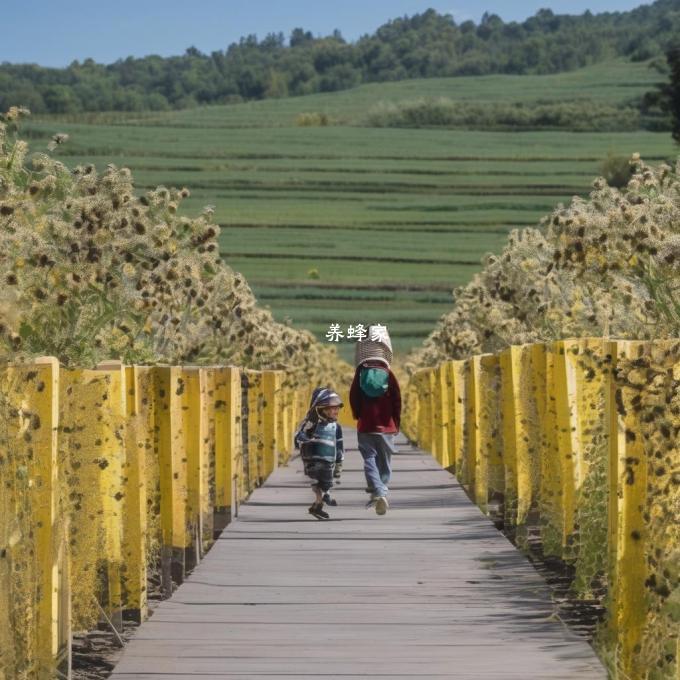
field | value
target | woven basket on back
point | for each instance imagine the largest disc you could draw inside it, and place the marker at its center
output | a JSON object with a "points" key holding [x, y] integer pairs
{"points": [[371, 349]]}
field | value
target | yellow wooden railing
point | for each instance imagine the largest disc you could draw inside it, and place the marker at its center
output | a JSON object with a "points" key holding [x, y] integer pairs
{"points": [[579, 438], [108, 476]]}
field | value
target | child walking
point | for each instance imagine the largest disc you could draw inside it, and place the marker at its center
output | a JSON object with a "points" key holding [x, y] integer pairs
{"points": [[319, 438]]}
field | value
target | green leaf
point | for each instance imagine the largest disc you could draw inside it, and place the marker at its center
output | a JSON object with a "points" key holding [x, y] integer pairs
{"points": [[25, 330]]}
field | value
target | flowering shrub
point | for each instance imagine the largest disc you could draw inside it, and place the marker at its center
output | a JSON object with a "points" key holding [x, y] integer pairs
{"points": [[91, 271], [605, 266]]}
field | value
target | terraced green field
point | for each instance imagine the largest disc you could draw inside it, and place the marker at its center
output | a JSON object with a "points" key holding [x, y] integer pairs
{"points": [[391, 220]]}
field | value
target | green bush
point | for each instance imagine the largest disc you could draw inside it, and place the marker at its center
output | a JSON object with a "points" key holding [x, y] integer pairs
{"points": [[616, 170], [312, 119], [443, 112]]}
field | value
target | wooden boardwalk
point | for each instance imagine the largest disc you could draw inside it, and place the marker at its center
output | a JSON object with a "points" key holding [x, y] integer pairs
{"points": [[430, 590]]}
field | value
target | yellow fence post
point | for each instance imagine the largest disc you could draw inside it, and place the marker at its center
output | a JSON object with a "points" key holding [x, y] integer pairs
{"points": [[436, 411], [477, 467], [629, 593], [551, 500], [93, 439], [410, 410], [271, 409], [460, 425], [434, 415], [535, 407], [590, 362], [173, 474], [195, 417], [515, 418], [423, 407], [282, 438], [113, 489], [614, 446], [646, 565], [139, 444], [429, 439], [486, 444], [51, 522], [468, 462], [443, 380], [256, 453], [568, 444], [345, 417], [209, 503], [447, 367], [228, 445], [34, 566]]}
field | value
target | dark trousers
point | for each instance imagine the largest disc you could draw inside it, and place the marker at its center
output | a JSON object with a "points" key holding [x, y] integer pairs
{"points": [[321, 471]]}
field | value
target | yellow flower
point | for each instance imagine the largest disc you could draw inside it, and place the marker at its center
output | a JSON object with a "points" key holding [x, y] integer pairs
{"points": [[633, 260]]}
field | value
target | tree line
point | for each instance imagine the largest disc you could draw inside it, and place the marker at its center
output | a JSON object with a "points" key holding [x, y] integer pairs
{"points": [[421, 46], [665, 98]]}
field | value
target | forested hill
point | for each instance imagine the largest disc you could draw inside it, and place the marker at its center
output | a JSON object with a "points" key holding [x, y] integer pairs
{"points": [[421, 46]]}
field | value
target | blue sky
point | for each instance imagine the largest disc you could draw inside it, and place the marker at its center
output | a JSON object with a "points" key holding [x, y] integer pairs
{"points": [[55, 33]]}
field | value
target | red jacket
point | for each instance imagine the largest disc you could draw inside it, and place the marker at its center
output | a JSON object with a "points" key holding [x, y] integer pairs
{"points": [[376, 414]]}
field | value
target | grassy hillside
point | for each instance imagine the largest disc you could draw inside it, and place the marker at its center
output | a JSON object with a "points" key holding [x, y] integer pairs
{"points": [[391, 219]]}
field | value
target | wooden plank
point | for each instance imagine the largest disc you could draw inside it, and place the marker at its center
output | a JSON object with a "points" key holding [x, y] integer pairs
{"points": [[430, 590]]}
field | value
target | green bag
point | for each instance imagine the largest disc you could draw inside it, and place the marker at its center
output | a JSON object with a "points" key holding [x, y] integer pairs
{"points": [[373, 381]]}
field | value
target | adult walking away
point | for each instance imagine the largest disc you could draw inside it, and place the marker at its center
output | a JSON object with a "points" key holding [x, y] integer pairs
{"points": [[375, 399]]}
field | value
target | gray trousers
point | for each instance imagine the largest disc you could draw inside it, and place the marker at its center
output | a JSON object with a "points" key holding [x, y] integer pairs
{"points": [[377, 450]]}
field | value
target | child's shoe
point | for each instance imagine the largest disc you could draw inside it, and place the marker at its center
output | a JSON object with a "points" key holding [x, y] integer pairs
{"points": [[316, 509], [328, 500]]}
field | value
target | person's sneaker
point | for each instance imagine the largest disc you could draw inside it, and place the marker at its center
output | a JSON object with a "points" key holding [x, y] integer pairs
{"points": [[328, 500], [381, 505], [316, 509]]}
